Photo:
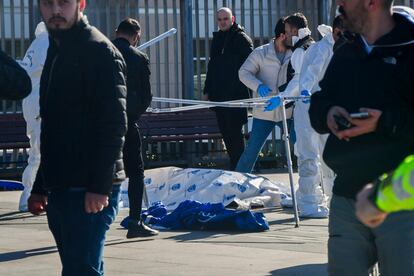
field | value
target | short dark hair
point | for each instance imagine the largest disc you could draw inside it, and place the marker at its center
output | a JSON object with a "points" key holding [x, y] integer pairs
{"points": [[280, 27], [129, 27], [297, 20], [338, 23]]}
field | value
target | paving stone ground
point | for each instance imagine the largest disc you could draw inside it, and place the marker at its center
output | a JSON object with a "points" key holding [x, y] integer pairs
{"points": [[27, 247]]}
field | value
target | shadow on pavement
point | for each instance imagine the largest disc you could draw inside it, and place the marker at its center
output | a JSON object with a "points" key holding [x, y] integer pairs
{"points": [[123, 241], [15, 216], [302, 270], [17, 255], [200, 235]]}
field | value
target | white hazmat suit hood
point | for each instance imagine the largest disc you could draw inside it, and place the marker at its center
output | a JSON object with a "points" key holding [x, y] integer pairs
{"points": [[304, 32]]}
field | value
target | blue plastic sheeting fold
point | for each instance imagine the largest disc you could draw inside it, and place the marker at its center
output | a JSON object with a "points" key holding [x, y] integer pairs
{"points": [[193, 215], [8, 185]]}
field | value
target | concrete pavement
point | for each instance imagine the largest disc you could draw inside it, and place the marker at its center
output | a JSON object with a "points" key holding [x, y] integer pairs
{"points": [[27, 247]]}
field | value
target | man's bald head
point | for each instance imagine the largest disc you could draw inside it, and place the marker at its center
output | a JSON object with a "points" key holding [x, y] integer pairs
{"points": [[225, 19], [225, 10]]}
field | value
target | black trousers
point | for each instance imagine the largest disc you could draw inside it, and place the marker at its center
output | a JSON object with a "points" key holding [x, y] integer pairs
{"points": [[134, 169], [230, 123]]}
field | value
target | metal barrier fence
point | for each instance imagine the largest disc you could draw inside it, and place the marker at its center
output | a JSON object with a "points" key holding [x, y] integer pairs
{"points": [[195, 20], [179, 63]]}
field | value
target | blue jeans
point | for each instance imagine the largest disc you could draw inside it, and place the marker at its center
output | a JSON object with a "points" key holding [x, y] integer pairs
{"points": [[80, 237], [261, 129]]}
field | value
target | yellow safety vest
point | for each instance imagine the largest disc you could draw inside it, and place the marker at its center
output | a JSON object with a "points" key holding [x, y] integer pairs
{"points": [[396, 190]]}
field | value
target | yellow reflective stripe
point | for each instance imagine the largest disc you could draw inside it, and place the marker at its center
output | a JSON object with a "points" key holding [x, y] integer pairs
{"points": [[404, 173], [400, 195]]}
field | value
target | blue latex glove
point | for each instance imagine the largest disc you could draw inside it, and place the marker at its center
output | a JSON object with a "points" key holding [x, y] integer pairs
{"points": [[305, 93], [273, 103], [263, 90]]}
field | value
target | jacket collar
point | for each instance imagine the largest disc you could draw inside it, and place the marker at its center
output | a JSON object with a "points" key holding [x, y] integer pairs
{"points": [[71, 36], [270, 51], [122, 41], [395, 40], [233, 29]]}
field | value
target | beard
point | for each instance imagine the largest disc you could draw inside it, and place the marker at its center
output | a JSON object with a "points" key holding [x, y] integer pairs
{"points": [[354, 22], [288, 42], [57, 31]]}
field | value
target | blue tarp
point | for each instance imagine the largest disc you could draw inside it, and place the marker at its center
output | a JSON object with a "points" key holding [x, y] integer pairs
{"points": [[8, 185], [193, 215]]}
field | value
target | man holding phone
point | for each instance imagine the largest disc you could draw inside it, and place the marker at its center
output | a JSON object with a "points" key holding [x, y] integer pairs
{"points": [[373, 74]]}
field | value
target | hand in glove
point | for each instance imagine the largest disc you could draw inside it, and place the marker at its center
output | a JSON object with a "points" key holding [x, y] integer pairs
{"points": [[263, 90], [273, 103], [305, 93]]}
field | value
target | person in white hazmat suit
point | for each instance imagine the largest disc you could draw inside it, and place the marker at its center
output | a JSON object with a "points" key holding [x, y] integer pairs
{"points": [[315, 178], [33, 63], [298, 36], [315, 184]]}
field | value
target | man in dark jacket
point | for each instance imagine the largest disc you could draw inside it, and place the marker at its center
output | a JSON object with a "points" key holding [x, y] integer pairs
{"points": [[229, 49], [373, 74], [139, 98], [82, 106], [15, 84]]}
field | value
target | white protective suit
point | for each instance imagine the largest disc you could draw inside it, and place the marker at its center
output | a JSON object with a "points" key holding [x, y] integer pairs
{"points": [[33, 62], [314, 175]]}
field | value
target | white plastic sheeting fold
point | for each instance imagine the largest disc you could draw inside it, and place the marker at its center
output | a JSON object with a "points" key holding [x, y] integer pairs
{"points": [[172, 185]]}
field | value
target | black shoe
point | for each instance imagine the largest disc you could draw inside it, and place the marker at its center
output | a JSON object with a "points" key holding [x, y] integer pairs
{"points": [[137, 229]]}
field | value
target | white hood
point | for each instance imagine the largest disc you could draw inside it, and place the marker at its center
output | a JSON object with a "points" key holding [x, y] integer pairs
{"points": [[324, 30], [301, 34], [40, 29]]}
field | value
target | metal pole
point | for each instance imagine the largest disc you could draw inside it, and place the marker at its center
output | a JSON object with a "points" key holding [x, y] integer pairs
{"points": [[186, 17], [290, 165], [324, 11], [157, 39]]}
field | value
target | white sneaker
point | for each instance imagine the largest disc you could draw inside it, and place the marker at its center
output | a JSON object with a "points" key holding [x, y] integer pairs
{"points": [[23, 200], [314, 212]]}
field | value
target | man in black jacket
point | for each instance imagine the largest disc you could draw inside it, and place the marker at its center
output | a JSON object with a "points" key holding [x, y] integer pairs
{"points": [[82, 106], [373, 74], [139, 97], [230, 48], [15, 84]]}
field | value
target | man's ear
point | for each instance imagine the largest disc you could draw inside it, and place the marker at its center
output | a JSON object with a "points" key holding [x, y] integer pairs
{"points": [[232, 19], [136, 38], [371, 5], [82, 5]]}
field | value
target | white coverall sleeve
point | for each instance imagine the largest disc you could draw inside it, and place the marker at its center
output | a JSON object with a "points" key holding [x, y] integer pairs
{"points": [[249, 69], [312, 67], [35, 57], [292, 89]]}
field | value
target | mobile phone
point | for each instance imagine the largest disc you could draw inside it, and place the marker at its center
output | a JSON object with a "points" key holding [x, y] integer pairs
{"points": [[342, 122], [360, 115]]}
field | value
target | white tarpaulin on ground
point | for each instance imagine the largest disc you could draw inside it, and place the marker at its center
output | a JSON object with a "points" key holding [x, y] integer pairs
{"points": [[172, 185]]}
